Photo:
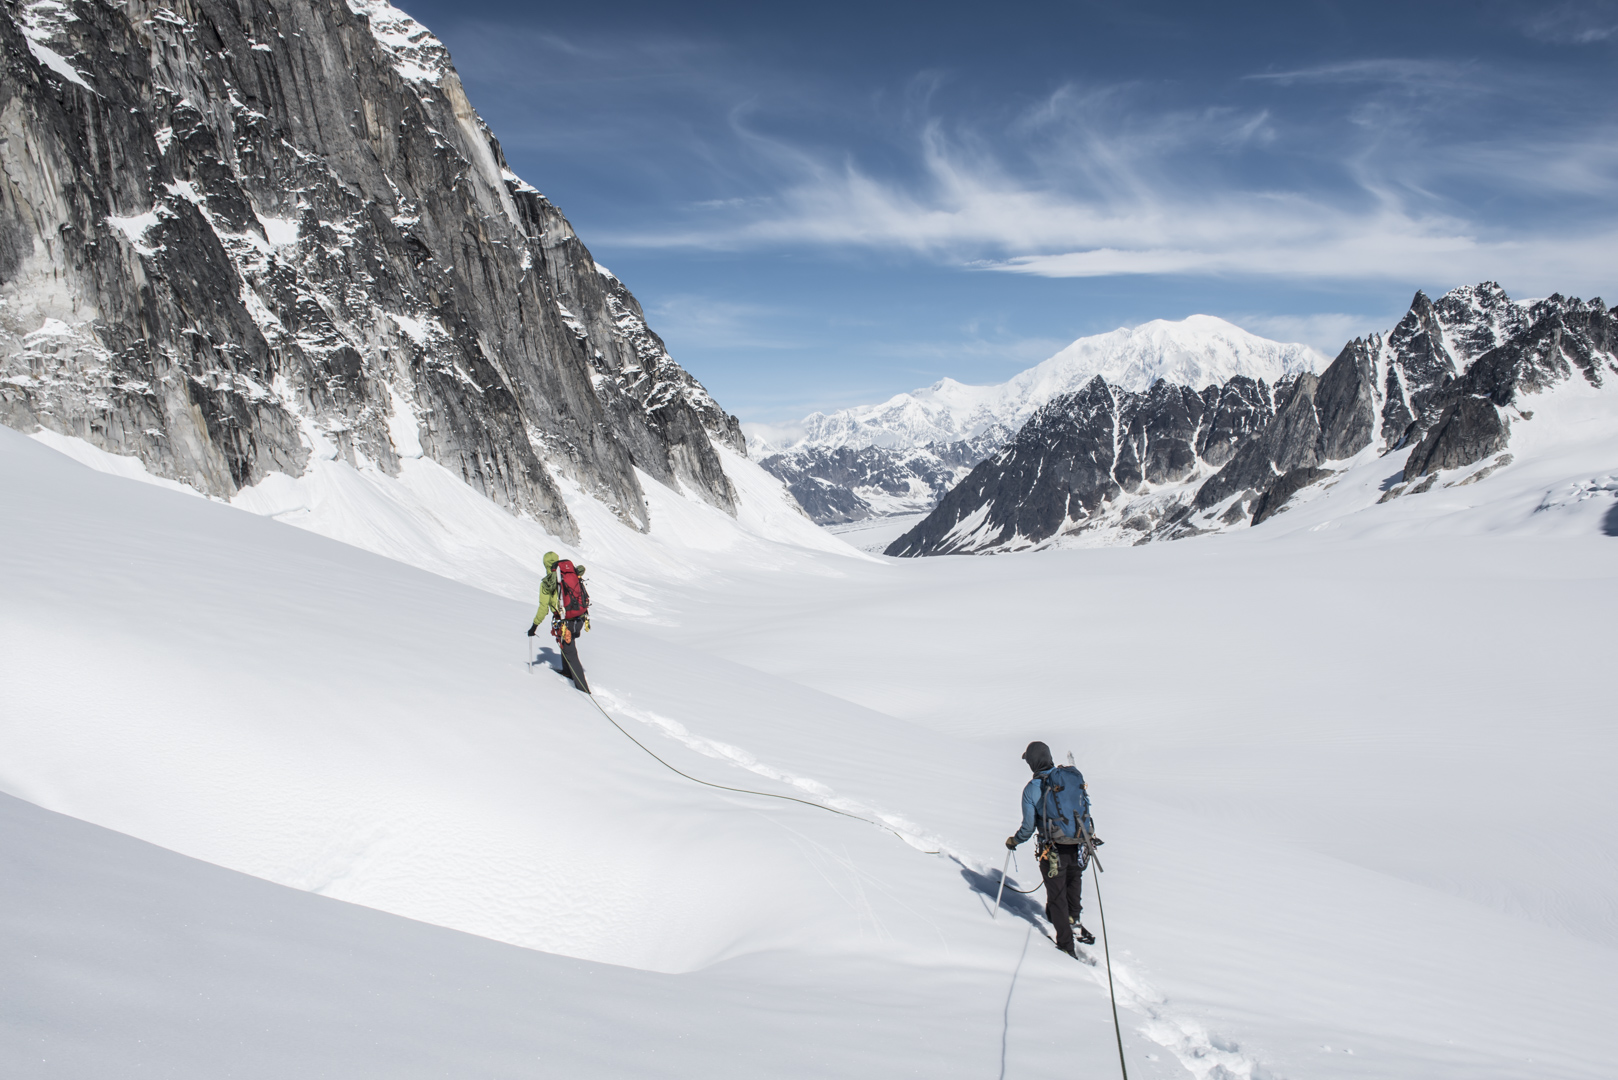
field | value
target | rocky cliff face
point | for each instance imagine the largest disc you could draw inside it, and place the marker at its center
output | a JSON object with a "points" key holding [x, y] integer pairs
{"points": [[235, 234], [1083, 452], [1442, 385]]}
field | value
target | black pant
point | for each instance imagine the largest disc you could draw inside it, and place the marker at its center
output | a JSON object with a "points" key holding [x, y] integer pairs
{"points": [[570, 655], [1062, 892]]}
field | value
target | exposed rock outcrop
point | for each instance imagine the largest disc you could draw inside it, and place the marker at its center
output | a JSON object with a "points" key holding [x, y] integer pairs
{"points": [[233, 235], [1084, 450], [1283, 487], [1563, 336]]}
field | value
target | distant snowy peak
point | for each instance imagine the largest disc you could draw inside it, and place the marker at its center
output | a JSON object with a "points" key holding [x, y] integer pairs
{"points": [[1196, 352]]}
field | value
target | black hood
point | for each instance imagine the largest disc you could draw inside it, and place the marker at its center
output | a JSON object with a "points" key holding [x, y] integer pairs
{"points": [[1038, 756]]}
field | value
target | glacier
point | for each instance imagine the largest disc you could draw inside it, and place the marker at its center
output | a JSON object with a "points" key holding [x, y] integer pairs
{"points": [[277, 803]]}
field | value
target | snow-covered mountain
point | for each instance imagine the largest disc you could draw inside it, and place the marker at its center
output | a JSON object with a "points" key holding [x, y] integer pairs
{"points": [[902, 455], [241, 238], [1438, 394], [1198, 351]]}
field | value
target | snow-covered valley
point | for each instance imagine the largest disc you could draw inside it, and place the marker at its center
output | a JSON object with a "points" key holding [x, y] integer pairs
{"points": [[1349, 766]]}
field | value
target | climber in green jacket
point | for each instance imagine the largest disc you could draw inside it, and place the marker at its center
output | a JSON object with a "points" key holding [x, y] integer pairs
{"points": [[562, 594]]}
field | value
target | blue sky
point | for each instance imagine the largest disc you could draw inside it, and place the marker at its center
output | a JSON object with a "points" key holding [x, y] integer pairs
{"points": [[822, 205]]}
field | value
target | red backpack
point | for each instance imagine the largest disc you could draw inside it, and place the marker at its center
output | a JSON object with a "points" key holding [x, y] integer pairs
{"points": [[575, 599]]}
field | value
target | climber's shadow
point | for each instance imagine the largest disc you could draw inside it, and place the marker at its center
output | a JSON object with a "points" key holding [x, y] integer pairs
{"points": [[1014, 903]]}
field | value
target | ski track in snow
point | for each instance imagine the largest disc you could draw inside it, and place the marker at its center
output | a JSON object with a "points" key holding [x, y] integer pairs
{"points": [[1206, 1055]]}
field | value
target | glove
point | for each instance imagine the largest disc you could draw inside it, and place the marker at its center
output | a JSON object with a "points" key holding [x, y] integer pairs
{"points": [[531, 628], [1011, 843]]}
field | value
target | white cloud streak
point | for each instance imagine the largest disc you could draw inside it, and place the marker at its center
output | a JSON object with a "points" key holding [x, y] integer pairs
{"points": [[1080, 186], [1574, 24], [1327, 331]]}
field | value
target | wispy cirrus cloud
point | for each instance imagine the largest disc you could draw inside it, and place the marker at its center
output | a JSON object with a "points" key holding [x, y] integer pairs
{"points": [[1574, 24], [1088, 183], [1410, 72], [1362, 169], [719, 323]]}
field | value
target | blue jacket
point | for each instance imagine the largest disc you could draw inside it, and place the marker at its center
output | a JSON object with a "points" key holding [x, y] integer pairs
{"points": [[1055, 813]]}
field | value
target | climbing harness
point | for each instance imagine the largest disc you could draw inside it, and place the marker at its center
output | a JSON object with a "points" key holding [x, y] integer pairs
{"points": [[743, 791]]}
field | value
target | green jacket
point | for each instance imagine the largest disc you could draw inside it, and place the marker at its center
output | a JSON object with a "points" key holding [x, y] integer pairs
{"points": [[550, 597]]}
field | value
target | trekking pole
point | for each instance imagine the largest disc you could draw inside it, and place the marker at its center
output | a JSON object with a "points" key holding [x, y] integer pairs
{"points": [[1002, 891], [1106, 947], [530, 656]]}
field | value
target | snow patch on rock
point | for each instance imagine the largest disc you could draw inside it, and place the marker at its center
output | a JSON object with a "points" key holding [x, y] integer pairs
{"points": [[417, 55], [42, 22]]}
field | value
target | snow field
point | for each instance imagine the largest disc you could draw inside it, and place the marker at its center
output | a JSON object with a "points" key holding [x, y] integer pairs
{"points": [[126, 957], [1397, 853], [1348, 763], [302, 711]]}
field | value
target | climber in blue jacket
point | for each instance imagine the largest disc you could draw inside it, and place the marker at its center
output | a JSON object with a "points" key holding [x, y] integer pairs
{"points": [[1056, 806]]}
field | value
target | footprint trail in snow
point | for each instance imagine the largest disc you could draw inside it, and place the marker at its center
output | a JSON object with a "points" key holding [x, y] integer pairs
{"points": [[1205, 1055]]}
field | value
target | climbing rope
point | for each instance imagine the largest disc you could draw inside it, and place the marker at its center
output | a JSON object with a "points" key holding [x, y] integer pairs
{"points": [[1095, 864], [1106, 948], [743, 791], [1025, 892]]}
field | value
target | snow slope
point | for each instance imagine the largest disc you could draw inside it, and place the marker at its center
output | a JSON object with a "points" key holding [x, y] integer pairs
{"points": [[1351, 780], [429, 518], [1198, 351]]}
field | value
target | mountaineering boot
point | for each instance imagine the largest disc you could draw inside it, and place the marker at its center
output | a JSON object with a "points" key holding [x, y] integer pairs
{"points": [[1084, 936], [1070, 949]]}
